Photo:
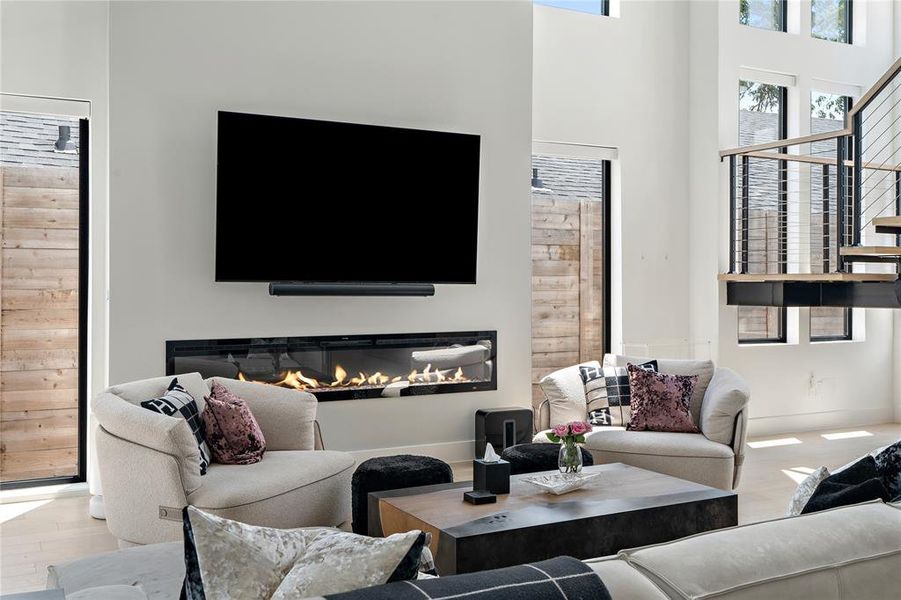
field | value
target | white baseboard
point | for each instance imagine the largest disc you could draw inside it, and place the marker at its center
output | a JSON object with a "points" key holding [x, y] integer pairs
{"points": [[449, 452], [833, 419], [46, 492]]}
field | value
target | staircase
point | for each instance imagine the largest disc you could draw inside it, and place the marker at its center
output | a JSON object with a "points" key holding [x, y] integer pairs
{"points": [[816, 220]]}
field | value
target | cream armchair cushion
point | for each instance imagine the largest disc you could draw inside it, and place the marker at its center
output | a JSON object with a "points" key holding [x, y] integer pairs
{"points": [[171, 436], [565, 393], [285, 416], [726, 396], [145, 389]]}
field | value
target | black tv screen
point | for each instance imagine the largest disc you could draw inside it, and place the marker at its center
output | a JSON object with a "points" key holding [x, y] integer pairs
{"points": [[308, 200]]}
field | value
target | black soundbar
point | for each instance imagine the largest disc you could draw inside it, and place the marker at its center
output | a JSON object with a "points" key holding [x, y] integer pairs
{"points": [[313, 288]]}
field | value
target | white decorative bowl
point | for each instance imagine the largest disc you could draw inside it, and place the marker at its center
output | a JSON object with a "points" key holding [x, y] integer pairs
{"points": [[560, 483]]}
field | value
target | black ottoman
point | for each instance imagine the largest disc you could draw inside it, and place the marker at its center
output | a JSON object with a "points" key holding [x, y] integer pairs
{"points": [[392, 473], [532, 458]]}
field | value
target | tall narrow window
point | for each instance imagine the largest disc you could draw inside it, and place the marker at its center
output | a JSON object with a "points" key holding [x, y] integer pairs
{"points": [[570, 261], [831, 20], [827, 113], [763, 14], [762, 118], [43, 265]]}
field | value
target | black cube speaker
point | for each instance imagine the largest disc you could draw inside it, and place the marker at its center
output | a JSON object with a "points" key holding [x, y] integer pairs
{"points": [[503, 427]]}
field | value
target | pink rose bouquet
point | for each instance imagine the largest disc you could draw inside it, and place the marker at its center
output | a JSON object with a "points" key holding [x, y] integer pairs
{"points": [[568, 435]]}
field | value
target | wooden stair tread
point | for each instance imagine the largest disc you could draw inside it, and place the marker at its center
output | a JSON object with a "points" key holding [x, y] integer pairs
{"points": [[871, 250], [887, 221], [811, 277]]}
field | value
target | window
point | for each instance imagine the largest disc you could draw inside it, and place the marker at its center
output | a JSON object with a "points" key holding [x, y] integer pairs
{"points": [[764, 14], [762, 118], [570, 258], [43, 260], [827, 113], [592, 7], [831, 20]]}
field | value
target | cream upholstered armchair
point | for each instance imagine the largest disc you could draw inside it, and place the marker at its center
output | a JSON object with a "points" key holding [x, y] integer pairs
{"points": [[719, 407], [150, 464]]}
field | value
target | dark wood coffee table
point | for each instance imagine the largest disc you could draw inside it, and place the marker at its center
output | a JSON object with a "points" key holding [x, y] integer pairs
{"points": [[624, 507]]}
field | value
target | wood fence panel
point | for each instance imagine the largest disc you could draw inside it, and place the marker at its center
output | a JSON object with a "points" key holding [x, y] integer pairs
{"points": [[39, 219], [567, 285]]}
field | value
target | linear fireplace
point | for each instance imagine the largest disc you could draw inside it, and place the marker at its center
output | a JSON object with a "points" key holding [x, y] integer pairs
{"points": [[348, 366]]}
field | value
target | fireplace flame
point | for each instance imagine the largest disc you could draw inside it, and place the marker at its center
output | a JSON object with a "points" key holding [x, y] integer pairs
{"points": [[299, 381], [340, 374]]}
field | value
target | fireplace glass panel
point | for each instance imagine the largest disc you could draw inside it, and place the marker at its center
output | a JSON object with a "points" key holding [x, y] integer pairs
{"points": [[347, 367]]}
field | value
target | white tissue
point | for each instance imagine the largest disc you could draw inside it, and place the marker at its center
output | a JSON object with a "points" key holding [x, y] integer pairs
{"points": [[490, 454]]}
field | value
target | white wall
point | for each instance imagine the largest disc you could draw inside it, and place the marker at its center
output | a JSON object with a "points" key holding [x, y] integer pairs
{"points": [[623, 82], [60, 49], [436, 65], [797, 385]]}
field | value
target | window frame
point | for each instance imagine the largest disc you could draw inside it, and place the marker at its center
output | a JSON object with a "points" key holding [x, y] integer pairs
{"points": [[84, 280], [848, 316], [604, 4], [849, 25], [606, 156], [783, 18], [848, 312], [781, 334]]}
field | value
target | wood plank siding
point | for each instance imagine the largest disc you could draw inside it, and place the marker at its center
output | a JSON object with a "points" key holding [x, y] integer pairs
{"points": [[39, 220], [567, 284]]}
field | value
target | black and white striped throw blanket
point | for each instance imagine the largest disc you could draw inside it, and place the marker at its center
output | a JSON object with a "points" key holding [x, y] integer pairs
{"points": [[561, 578]]}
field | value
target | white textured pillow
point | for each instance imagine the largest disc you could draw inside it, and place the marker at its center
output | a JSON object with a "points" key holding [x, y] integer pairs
{"points": [[236, 560], [805, 490], [565, 391]]}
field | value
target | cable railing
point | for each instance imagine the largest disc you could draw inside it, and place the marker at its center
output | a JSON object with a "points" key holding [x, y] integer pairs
{"points": [[788, 208], [821, 203], [876, 129]]}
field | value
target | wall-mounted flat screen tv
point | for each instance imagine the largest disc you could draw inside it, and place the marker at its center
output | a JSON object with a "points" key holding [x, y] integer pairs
{"points": [[321, 201]]}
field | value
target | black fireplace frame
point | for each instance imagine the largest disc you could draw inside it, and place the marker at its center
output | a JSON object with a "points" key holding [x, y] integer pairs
{"points": [[189, 348]]}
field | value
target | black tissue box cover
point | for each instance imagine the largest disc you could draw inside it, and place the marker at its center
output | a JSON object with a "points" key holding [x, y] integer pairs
{"points": [[492, 477]]}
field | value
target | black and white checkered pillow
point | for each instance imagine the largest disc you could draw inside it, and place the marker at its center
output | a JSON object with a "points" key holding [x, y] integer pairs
{"points": [[608, 394], [177, 402]]}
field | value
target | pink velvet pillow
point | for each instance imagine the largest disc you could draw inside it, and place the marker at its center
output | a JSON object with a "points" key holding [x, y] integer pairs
{"points": [[233, 435], [661, 402]]}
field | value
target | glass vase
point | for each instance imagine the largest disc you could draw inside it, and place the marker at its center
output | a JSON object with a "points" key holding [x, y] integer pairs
{"points": [[570, 459]]}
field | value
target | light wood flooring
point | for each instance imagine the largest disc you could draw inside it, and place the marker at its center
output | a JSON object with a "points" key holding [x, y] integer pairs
{"points": [[35, 534]]}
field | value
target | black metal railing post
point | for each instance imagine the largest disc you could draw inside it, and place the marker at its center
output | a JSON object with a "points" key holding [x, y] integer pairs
{"points": [[827, 247], [857, 190], [840, 202], [732, 215], [745, 212]]}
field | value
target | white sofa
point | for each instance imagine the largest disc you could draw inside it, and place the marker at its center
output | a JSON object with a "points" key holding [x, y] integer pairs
{"points": [[150, 467], [718, 406], [850, 552]]}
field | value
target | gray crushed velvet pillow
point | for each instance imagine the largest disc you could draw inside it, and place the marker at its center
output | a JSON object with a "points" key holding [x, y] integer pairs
{"points": [[227, 559], [805, 490]]}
